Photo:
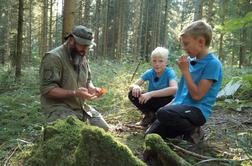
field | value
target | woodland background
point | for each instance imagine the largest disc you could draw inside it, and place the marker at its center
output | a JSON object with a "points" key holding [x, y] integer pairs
{"points": [[125, 31]]}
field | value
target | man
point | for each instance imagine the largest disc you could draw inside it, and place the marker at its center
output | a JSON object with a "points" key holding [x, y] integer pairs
{"points": [[65, 80]]}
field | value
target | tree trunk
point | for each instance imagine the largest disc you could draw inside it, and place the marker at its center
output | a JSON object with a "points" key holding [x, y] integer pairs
{"points": [[145, 31], [58, 25], [183, 14], [247, 36], [87, 13], [18, 57], [29, 57], [165, 32], [97, 26], [210, 13], [222, 17], [68, 17], [105, 28], [198, 5], [122, 5], [50, 25], [154, 21], [138, 31], [44, 29], [80, 16], [5, 51], [241, 48], [233, 53], [112, 28]]}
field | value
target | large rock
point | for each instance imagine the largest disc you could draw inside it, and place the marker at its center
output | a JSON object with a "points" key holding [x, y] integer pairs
{"points": [[71, 142], [98, 148], [58, 144]]}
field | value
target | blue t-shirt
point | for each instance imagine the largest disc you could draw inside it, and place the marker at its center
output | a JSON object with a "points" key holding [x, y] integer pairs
{"points": [[157, 83], [209, 68]]}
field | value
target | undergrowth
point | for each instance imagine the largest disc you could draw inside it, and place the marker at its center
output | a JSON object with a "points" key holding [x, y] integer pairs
{"points": [[20, 118]]}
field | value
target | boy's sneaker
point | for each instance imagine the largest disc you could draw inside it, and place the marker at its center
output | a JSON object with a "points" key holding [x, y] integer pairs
{"points": [[196, 137], [148, 118]]}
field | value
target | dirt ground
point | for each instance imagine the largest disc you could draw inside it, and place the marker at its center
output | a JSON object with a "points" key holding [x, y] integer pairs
{"points": [[224, 138], [225, 128]]}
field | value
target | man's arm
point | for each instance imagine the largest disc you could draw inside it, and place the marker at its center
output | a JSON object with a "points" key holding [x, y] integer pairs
{"points": [[60, 93]]}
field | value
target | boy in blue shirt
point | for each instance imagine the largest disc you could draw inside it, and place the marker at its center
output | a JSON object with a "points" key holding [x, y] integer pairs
{"points": [[200, 82], [162, 85]]}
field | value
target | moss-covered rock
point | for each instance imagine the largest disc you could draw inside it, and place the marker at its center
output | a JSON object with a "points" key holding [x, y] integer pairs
{"points": [[98, 148], [71, 142], [58, 145], [157, 149]]}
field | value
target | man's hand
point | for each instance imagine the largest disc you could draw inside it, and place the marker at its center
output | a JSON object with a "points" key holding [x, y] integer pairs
{"points": [[92, 89], [84, 94], [144, 97], [183, 64]]}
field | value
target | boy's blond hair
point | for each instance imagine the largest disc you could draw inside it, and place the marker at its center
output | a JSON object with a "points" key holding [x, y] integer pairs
{"points": [[198, 28], [160, 52]]}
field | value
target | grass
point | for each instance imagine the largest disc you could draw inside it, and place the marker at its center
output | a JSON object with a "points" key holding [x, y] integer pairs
{"points": [[20, 117], [20, 104]]}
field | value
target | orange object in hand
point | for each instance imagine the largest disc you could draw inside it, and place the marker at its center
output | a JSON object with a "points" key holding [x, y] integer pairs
{"points": [[101, 91]]}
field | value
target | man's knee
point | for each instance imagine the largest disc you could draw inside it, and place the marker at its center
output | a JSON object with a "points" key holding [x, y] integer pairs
{"points": [[60, 113], [96, 119]]}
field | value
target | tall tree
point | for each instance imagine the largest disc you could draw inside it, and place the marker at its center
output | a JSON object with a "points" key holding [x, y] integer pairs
{"points": [[44, 29], [122, 28], [50, 33], [79, 17], [105, 27], [135, 25], [145, 34], [210, 12], [198, 5], [29, 55], [164, 33], [19, 40], [68, 17], [97, 28], [222, 18], [5, 39], [58, 25], [87, 13]]}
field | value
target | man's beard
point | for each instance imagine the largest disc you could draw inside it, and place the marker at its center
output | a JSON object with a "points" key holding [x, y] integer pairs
{"points": [[76, 57]]}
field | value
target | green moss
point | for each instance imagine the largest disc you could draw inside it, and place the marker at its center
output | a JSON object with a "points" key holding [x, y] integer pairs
{"points": [[99, 148], [70, 142], [163, 152], [59, 144]]}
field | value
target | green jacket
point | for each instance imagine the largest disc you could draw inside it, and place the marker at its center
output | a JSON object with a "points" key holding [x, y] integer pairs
{"points": [[56, 70]]}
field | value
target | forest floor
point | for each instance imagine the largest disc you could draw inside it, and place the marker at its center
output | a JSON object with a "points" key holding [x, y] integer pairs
{"points": [[228, 131], [224, 135]]}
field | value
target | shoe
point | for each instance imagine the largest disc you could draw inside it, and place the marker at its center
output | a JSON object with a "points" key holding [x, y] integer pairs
{"points": [[196, 137], [153, 128], [148, 118]]}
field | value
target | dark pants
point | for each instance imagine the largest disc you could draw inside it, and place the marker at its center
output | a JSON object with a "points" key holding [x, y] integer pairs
{"points": [[153, 104], [176, 120]]}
